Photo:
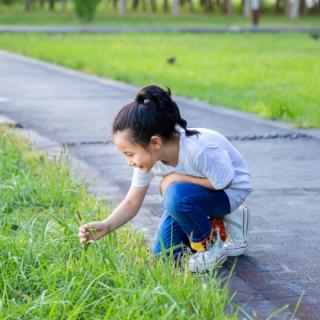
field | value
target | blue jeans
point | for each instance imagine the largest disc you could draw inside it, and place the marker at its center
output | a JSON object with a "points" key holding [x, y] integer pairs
{"points": [[187, 207]]}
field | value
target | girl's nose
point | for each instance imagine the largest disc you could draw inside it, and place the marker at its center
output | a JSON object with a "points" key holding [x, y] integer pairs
{"points": [[131, 163]]}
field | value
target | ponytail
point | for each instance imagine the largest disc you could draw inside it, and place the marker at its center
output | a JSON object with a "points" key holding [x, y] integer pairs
{"points": [[153, 112]]}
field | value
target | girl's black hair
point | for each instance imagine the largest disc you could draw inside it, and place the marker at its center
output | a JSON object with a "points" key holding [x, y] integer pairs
{"points": [[153, 112]]}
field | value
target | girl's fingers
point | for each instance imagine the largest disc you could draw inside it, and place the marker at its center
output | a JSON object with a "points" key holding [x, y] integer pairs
{"points": [[86, 233], [83, 236], [84, 228], [83, 240]]}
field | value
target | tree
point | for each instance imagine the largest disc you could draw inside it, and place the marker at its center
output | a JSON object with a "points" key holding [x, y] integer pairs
{"points": [[227, 7], [292, 8], [175, 7]]}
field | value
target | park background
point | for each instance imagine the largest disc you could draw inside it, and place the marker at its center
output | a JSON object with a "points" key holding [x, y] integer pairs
{"points": [[271, 69], [273, 74]]}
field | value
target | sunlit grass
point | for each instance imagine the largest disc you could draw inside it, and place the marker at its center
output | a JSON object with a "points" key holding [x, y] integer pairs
{"points": [[46, 274], [274, 75]]}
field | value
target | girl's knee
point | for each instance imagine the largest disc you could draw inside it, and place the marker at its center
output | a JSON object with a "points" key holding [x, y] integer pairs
{"points": [[174, 198]]}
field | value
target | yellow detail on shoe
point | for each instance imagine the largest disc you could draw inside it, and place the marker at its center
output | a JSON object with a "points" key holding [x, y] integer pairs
{"points": [[198, 246], [202, 245]]}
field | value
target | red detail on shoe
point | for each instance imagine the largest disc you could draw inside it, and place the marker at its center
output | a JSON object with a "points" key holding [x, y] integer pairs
{"points": [[218, 223]]}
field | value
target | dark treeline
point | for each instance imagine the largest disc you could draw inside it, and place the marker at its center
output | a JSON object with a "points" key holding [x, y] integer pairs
{"points": [[85, 8]]}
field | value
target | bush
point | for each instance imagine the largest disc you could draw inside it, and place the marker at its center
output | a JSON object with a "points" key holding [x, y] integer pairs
{"points": [[85, 9]]}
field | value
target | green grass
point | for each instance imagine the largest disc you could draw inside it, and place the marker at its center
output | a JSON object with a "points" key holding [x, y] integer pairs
{"points": [[46, 274], [273, 75], [106, 15]]}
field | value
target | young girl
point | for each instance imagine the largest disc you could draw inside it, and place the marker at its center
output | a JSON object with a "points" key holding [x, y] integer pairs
{"points": [[204, 179]]}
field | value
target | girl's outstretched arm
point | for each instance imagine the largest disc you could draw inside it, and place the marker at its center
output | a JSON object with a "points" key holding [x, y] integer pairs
{"points": [[123, 213]]}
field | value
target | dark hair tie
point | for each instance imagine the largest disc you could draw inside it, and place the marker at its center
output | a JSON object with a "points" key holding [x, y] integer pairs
{"points": [[142, 99]]}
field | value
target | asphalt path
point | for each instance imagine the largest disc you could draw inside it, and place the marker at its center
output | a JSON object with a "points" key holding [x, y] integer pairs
{"points": [[189, 29], [77, 110]]}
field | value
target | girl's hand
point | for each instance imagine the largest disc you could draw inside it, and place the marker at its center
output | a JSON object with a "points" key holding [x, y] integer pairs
{"points": [[93, 231]]}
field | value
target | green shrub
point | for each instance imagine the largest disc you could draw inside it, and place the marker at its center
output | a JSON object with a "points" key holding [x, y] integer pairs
{"points": [[85, 9]]}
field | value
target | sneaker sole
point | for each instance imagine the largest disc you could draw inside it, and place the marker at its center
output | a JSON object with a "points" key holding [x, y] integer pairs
{"points": [[202, 267], [235, 252]]}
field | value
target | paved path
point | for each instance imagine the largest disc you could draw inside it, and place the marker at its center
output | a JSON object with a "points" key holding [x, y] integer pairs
{"points": [[283, 261], [194, 29]]}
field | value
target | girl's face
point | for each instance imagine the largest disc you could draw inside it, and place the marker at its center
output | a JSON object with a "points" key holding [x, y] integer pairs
{"points": [[137, 156]]}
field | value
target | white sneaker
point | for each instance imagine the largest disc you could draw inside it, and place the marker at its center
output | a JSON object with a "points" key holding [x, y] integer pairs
{"points": [[237, 225], [208, 260]]}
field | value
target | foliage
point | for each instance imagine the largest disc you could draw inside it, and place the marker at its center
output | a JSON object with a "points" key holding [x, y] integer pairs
{"points": [[7, 2], [85, 9]]}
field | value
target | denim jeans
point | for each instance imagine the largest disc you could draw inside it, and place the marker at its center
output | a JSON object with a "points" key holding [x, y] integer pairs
{"points": [[187, 208]]}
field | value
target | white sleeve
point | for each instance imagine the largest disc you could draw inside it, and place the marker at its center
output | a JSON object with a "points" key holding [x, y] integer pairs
{"points": [[215, 164], [141, 179]]}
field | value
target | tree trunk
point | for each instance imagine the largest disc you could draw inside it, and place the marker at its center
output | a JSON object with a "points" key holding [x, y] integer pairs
{"points": [[144, 5], [64, 5], [208, 6], [190, 7], [293, 8], [27, 5], [153, 4], [227, 7], [51, 5], [41, 4], [277, 6], [114, 4], [176, 7], [135, 4], [303, 7], [165, 6], [122, 7], [246, 8]]}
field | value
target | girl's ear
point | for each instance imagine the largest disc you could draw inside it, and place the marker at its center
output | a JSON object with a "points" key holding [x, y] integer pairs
{"points": [[155, 142]]}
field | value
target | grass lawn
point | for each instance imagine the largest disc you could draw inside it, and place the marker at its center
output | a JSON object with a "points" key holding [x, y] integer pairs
{"points": [[106, 15], [46, 274], [273, 75]]}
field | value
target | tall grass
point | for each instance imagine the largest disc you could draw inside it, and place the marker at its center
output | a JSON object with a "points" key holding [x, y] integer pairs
{"points": [[46, 274]]}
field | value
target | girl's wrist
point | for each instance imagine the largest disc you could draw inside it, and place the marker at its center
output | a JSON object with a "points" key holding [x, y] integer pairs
{"points": [[107, 226]]}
